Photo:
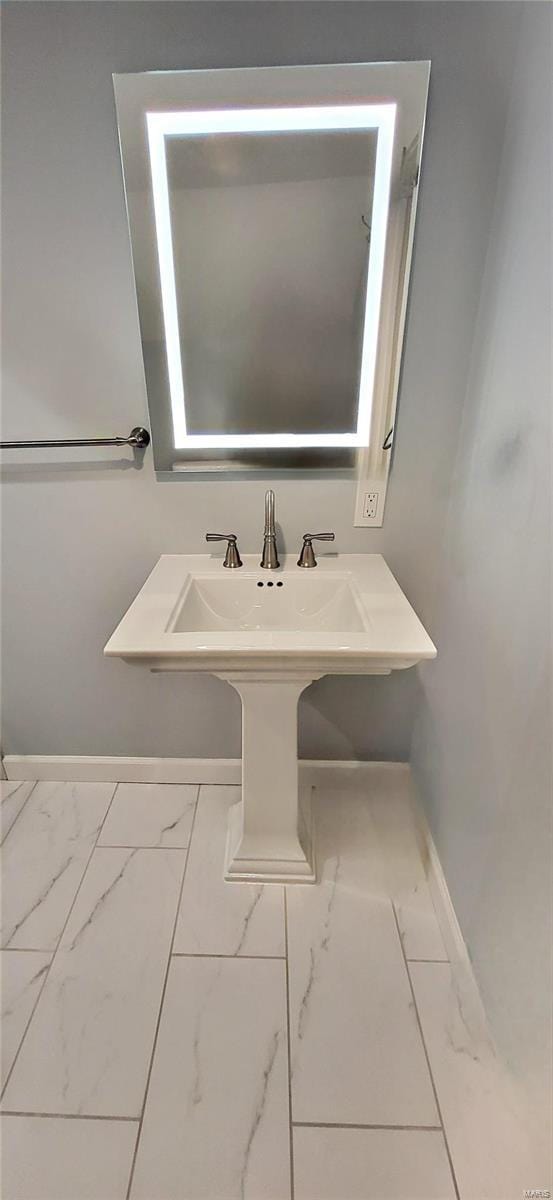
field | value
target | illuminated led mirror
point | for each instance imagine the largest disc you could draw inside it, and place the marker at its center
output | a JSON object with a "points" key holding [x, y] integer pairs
{"points": [[260, 206]]}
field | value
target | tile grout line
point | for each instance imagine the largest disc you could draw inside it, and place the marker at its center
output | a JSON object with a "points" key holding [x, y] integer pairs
{"points": [[45, 1116], [22, 809], [353, 1125], [427, 960], [57, 945], [287, 974], [426, 1055], [162, 1000], [237, 957]]}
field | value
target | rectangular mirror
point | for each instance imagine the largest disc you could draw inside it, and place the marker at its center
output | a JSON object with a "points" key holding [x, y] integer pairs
{"points": [[260, 205]]}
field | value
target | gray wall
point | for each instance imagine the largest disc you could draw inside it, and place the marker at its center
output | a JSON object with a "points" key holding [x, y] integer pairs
{"points": [[482, 746], [81, 536]]}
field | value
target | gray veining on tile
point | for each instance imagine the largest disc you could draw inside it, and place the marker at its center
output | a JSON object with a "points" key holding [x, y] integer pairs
{"points": [[88, 1046], [44, 1158], [356, 1051], [150, 814], [22, 976], [371, 1164], [216, 1118], [13, 794], [493, 1136], [218, 917], [44, 859]]}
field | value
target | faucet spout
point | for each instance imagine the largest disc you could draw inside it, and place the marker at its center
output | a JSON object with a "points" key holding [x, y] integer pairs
{"points": [[269, 557], [269, 513]]}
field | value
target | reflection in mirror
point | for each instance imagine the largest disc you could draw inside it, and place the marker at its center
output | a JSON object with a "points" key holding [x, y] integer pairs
{"points": [[260, 237], [219, 260], [248, 215]]}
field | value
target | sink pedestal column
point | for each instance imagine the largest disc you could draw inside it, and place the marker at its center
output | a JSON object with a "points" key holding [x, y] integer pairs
{"points": [[269, 837]]}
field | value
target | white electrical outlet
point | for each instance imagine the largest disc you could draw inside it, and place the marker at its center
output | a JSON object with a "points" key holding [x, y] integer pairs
{"points": [[369, 501], [370, 505]]}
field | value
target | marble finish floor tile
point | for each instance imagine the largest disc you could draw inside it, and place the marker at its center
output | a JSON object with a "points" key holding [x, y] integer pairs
{"points": [[371, 1164], [44, 1158], [88, 1047], [44, 859], [150, 814], [13, 795], [22, 975], [218, 917], [356, 1052], [216, 1118], [394, 865], [493, 1138]]}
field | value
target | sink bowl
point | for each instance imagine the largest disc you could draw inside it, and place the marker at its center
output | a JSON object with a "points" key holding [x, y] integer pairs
{"points": [[270, 634], [329, 603], [347, 616]]}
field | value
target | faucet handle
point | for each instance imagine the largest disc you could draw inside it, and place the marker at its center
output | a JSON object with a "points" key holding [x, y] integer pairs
{"points": [[232, 557], [307, 555]]}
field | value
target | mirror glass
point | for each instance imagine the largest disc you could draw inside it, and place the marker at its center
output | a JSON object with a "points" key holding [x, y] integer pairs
{"points": [[259, 235], [250, 214]]}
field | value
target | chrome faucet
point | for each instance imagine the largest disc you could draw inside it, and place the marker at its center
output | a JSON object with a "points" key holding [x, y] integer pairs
{"points": [[307, 555], [269, 557], [232, 556]]}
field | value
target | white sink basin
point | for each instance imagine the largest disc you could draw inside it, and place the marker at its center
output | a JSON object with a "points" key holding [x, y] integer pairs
{"points": [[244, 601], [270, 634], [345, 616]]}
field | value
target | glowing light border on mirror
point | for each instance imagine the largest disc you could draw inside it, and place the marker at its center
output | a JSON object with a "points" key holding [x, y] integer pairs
{"points": [[189, 123]]}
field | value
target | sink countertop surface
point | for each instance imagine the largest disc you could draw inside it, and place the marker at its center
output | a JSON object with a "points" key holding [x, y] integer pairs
{"points": [[386, 635]]}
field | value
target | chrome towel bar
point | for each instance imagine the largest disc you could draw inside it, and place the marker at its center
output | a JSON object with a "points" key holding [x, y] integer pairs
{"points": [[139, 438]]}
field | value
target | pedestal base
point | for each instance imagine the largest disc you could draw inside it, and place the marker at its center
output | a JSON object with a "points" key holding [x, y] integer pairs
{"points": [[270, 860], [269, 837]]}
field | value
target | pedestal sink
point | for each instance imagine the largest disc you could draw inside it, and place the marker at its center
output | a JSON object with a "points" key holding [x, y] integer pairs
{"points": [[270, 635]]}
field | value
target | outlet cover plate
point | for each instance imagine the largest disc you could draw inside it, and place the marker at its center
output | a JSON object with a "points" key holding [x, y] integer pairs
{"points": [[369, 504]]}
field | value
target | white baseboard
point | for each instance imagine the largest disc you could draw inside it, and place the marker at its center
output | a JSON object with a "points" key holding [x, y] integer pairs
{"points": [[84, 768], [465, 982], [105, 769]]}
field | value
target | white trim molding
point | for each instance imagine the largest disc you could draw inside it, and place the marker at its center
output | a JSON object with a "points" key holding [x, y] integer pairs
{"points": [[83, 768], [456, 948]]}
